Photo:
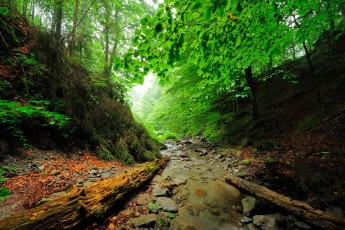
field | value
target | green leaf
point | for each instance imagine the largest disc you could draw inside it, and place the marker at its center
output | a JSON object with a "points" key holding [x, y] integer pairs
{"points": [[195, 15], [207, 14]]}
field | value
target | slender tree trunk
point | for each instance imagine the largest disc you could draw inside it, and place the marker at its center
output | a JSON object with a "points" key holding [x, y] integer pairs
{"points": [[32, 10], [252, 83], [313, 74], [59, 6], [110, 55], [74, 28], [25, 7]]}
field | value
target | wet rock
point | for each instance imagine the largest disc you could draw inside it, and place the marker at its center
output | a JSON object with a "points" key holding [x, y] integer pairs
{"points": [[246, 220], [166, 204], [105, 175], [335, 211], [265, 222], [55, 172], [144, 199], [179, 181], [302, 225], [158, 191], [248, 204], [143, 221], [248, 227]]}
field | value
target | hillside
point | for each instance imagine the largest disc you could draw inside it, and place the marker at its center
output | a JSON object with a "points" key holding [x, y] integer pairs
{"points": [[50, 100]]}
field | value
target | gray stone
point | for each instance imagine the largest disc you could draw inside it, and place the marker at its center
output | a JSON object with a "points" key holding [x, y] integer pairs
{"points": [[335, 211], [248, 204], [166, 204], [105, 175], [302, 225], [158, 191], [265, 222], [94, 171], [246, 219], [248, 227], [143, 221]]}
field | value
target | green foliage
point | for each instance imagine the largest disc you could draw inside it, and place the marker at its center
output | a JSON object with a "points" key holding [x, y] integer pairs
{"points": [[4, 10], [247, 161], [4, 192], [13, 114], [270, 160]]}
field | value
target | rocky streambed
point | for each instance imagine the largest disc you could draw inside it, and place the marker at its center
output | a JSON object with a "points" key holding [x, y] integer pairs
{"points": [[191, 194]]}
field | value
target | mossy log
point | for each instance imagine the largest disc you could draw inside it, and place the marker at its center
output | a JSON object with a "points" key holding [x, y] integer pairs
{"points": [[301, 209], [81, 207]]}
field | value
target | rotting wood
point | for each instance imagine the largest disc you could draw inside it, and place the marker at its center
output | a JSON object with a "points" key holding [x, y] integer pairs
{"points": [[301, 209], [80, 206]]}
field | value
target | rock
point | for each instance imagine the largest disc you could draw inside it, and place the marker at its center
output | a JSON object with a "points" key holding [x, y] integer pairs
{"points": [[94, 171], [166, 204], [248, 204], [158, 191], [41, 168], [302, 225], [265, 222], [241, 173], [143, 221], [105, 175], [335, 211], [246, 220], [179, 181], [248, 227], [55, 172], [144, 199]]}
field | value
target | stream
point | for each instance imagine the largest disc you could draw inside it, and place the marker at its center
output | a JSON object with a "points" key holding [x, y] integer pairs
{"points": [[206, 200], [189, 194]]}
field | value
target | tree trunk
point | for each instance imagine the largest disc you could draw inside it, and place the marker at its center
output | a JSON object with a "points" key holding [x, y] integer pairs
{"points": [[59, 6], [253, 92], [110, 55], [81, 207], [25, 7], [74, 28], [313, 74], [298, 208], [32, 10]]}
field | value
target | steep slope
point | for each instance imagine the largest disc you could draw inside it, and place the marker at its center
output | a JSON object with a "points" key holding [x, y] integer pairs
{"points": [[48, 99]]}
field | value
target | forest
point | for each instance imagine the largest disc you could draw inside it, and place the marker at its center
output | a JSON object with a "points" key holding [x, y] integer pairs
{"points": [[166, 114]]}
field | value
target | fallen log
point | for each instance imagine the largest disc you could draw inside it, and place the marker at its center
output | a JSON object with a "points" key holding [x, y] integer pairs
{"points": [[82, 206], [316, 217]]}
